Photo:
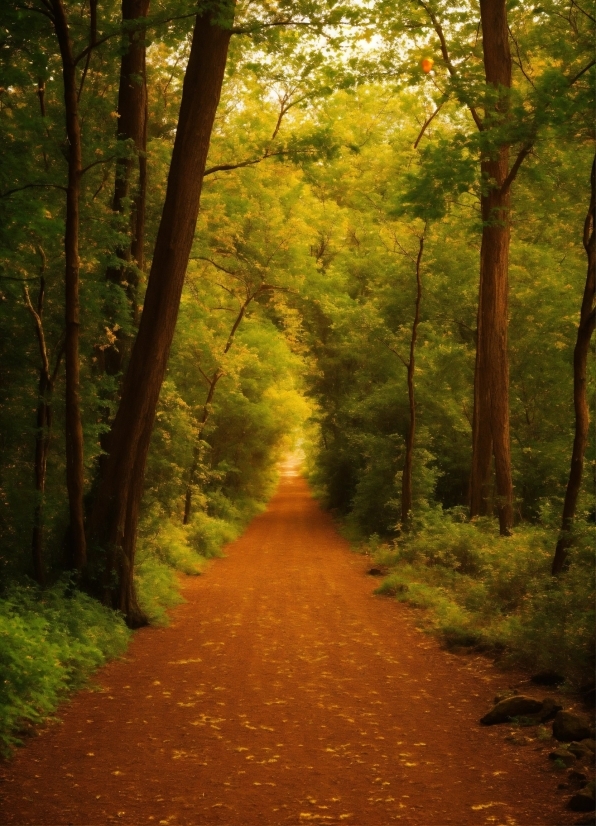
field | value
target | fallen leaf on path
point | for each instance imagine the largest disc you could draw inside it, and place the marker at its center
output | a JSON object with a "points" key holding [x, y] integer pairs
{"points": [[183, 662], [486, 806]]}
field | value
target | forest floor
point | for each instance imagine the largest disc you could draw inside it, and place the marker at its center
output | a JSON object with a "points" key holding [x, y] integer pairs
{"points": [[284, 692]]}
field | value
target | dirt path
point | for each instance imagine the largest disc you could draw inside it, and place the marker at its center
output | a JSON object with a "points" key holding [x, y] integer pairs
{"points": [[283, 692]]}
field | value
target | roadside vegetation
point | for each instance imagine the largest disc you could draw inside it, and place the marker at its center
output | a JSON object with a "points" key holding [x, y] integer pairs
{"points": [[498, 595]]}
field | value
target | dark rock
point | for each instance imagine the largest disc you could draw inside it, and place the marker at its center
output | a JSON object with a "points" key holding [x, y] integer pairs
{"points": [[589, 743], [505, 695], [516, 706], [583, 801], [588, 692], [376, 572], [549, 709], [580, 750], [568, 727], [577, 780], [563, 755], [548, 677]]}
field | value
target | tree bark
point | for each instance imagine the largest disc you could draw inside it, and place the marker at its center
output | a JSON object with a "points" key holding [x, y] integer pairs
{"points": [[132, 126], [406, 484], [77, 552], [491, 387], [115, 510], [580, 399], [43, 421]]}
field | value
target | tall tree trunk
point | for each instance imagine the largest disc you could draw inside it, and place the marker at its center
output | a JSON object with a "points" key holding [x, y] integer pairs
{"points": [[132, 126], [491, 388], [74, 431], [115, 511], [406, 484], [580, 400], [43, 423]]}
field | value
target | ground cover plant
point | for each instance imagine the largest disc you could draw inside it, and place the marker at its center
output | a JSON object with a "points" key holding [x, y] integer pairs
{"points": [[498, 594], [50, 642]]}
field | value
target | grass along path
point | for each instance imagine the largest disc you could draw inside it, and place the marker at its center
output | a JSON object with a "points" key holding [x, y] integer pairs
{"points": [[283, 692]]}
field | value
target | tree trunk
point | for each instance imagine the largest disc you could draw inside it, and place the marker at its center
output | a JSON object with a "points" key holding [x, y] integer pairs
{"points": [[115, 511], [132, 126], [77, 553], [212, 385], [406, 484], [196, 456], [491, 388], [580, 400], [482, 442], [43, 425]]}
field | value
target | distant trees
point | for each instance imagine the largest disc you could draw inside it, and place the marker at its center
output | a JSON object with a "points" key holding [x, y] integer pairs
{"points": [[585, 330]]}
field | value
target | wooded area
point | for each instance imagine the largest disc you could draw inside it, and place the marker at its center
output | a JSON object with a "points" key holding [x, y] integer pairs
{"points": [[393, 262]]}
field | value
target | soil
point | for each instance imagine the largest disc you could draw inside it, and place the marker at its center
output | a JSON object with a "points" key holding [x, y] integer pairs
{"points": [[284, 692]]}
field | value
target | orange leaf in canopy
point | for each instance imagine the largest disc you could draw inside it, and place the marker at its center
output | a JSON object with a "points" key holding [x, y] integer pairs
{"points": [[427, 63]]}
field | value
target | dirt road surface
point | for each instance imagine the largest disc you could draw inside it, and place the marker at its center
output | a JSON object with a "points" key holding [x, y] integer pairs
{"points": [[283, 692]]}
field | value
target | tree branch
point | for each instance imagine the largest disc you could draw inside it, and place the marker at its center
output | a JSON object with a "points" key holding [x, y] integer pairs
{"points": [[214, 264], [92, 41], [31, 186], [445, 52], [579, 8], [583, 71], [521, 156], [226, 167], [96, 163], [399, 355], [427, 124], [39, 330]]}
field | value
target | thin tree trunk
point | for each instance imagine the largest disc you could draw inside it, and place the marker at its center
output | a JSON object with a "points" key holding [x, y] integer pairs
{"points": [[132, 126], [137, 247], [196, 456], [74, 431], [580, 400], [491, 390], [115, 511], [212, 384], [406, 485], [43, 424], [482, 450]]}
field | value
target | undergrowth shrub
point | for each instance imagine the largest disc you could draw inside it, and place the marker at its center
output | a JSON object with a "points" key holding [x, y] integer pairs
{"points": [[497, 592], [166, 547], [50, 641]]}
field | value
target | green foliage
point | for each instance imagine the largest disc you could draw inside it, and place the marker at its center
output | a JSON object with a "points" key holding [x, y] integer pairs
{"points": [[50, 641], [497, 592]]}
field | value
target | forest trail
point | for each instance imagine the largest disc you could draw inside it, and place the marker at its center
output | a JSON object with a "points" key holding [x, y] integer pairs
{"points": [[283, 692]]}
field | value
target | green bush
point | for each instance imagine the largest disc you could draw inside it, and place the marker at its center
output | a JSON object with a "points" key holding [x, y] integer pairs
{"points": [[497, 592], [50, 641], [166, 547], [157, 586]]}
